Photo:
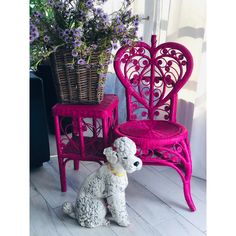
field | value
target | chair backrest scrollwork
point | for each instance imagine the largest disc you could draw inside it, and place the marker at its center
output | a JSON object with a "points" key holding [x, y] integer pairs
{"points": [[152, 77]]}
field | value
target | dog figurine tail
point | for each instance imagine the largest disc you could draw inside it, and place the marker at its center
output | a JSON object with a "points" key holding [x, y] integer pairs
{"points": [[68, 209]]}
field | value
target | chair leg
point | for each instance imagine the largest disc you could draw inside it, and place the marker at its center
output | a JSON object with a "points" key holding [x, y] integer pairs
{"points": [[187, 177], [76, 165], [62, 170], [187, 195]]}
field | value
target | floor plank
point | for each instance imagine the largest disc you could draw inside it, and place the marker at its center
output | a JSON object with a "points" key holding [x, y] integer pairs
{"points": [[43, 220], [156, 212], [198, 186], [47, 182], [172, 195], [74, 177], [52, 144], [33, 190], [178, 226], [75, 229], [138, 226]]}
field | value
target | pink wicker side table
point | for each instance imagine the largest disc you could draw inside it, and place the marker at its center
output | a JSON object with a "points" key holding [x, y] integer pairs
{"points": [[88, 130]]}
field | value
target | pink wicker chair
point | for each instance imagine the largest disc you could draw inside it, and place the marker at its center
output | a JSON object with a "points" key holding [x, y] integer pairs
{"points": [[152, 76]]}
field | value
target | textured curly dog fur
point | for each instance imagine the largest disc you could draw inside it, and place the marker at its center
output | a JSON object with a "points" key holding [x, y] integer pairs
{"points": [[103, 191]]}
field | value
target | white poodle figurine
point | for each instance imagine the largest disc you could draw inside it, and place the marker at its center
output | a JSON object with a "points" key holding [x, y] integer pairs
{"points": [[104, 190]]}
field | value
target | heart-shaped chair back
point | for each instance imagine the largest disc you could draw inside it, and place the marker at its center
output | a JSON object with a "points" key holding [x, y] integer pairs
{"points": [[152, 77]]}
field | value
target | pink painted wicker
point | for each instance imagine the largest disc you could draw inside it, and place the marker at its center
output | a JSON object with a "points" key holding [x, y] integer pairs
{"points": [[152, 76], [86, 135]]}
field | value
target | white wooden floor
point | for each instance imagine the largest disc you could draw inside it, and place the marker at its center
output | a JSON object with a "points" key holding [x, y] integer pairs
{"points": [[154, 197]]}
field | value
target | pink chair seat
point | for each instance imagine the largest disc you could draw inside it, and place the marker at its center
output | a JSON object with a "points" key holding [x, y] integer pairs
{"points": [[148, 133]]}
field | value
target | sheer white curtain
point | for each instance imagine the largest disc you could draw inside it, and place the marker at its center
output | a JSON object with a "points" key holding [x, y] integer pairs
{"points": [[186, 25], [181, 21]]}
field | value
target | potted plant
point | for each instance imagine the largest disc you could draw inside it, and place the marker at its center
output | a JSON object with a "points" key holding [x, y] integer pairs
{"points": [[78, 37]]}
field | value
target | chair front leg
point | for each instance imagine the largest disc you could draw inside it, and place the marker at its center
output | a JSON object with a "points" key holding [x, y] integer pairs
{"points": [[188, 174]]}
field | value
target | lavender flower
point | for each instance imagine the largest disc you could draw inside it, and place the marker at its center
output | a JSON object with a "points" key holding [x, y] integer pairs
{"points": [[74, 53], [120, 28], [105, 18], [46, 38], [108, 62], [109, 50], [98, 11], [51, 3], [114, 45], [78, 32], [66, 32], [89, 4], [128, 2], [34, 33], [118, 20], [81, 15], [59, 5], [128, 13], [37, 21], [81, 62], [135, 30], [37, 14], [67, 39], [77, 43], [99, 25], [127, 41], [136, 22]]}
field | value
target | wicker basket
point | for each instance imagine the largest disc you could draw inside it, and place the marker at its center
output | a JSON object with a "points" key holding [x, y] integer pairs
{"points": [[78, 84]]}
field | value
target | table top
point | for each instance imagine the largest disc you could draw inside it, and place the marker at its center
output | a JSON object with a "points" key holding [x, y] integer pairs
{"points": [[108, 104]]}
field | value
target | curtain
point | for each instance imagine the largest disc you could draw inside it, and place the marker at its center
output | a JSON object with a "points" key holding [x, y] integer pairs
{"points": [[180, 21], [186, 25]]}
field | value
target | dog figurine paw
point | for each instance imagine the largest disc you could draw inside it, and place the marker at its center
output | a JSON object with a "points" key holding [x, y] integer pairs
{"points": [[103, 191]]}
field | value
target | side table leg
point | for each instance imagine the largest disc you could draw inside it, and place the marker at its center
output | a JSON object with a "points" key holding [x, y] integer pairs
{"points": [[60, 159], [76, 164], [105, 131], [62, 169]]}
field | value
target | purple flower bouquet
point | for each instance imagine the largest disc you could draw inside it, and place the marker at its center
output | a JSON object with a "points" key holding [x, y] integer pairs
{"points": [[82, 27]]}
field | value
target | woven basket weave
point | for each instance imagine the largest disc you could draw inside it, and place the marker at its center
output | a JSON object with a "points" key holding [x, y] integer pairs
{"points": [[79, 84]]}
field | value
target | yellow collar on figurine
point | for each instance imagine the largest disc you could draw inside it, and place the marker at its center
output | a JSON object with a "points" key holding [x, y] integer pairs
{"points": [[113, 171]]}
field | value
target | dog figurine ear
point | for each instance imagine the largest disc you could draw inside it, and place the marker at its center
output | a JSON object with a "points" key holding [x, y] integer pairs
{"points": [[110, 155]]}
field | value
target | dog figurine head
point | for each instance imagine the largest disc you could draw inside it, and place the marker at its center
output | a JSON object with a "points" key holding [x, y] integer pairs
{"points": [[122, 155]]}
